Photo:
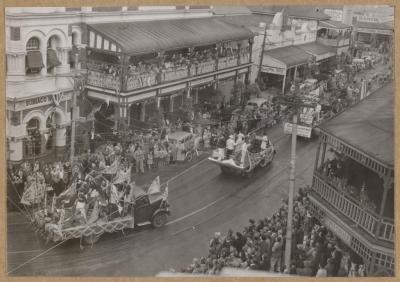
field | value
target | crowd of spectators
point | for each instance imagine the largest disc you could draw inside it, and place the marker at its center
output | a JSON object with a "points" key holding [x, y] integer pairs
{"points": [[261, 244]]}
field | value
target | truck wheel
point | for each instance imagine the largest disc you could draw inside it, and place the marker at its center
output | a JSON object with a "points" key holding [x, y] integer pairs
{"points": [[159, 220], [264, 162], [189, 156], [91, 239], [224, 170], [249, 174]]}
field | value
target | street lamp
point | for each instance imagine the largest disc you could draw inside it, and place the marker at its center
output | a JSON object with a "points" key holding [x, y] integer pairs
{"points": [[296, 102]]}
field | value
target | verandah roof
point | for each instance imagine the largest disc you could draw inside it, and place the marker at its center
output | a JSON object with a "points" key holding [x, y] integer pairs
{"points": [[143, 37], [368, 126]]}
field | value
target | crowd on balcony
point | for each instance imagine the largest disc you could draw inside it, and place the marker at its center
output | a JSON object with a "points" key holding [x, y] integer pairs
{"points": [[261, 246], [144, 73], [333, 171]]}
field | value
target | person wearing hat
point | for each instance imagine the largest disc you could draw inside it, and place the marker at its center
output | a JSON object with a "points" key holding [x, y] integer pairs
{"points": [[230, 146]]}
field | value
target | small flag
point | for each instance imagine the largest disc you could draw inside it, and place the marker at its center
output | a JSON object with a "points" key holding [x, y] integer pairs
{"points": [[154, 187]]}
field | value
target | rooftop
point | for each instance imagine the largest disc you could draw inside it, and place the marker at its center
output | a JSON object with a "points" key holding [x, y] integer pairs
{"points": [[374, 25], [143, 37], [368, 126], [307, 12]]}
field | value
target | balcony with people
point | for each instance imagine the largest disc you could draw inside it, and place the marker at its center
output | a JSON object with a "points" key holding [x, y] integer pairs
{"points": [[114, 59], [333, 33], [354, 172], [156, 69]]}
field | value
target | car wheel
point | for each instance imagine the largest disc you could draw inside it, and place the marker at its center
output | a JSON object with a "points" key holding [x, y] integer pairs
{"points": [[249, 174], [159, 220], [91, 239]]}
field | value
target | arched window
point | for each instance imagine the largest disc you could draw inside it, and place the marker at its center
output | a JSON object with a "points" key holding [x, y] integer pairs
{"points": [[52, 58], [34, 61], [32, 44]]}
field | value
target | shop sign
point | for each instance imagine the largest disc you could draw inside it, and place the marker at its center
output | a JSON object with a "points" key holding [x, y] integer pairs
{"points": [[303, 131], [55, 98], [376, 31], [273, 70], [338, 231], [324, 56]]}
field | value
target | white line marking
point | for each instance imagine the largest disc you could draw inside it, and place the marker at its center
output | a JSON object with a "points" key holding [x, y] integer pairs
{"points": [[197, 211], [183, 172], [21, 252]]}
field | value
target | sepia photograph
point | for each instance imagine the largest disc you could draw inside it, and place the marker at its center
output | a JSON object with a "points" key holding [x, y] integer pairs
{"points": [[200, 141]]}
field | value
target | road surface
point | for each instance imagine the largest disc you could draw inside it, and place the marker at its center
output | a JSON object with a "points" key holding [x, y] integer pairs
{"points": [[203, 201]]}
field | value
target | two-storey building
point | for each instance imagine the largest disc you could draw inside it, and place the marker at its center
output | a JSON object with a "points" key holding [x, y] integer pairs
{"points": [[137, 59], [290, 44], [353, 183]]}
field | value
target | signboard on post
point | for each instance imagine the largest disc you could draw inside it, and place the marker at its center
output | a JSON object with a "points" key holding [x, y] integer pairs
{"points": [[303, 131]]}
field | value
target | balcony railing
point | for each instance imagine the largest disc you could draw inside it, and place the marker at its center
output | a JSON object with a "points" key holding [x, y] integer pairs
{"points": [[205, 67], [178, 73], [386, 230], [347, 207], [227, 62], [137, 81], [103, 80]]}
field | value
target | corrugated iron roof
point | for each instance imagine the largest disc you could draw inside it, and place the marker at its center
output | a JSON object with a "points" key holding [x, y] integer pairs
{"points": [[153, 36], [368, 126], [289, 55], [316, 48]]}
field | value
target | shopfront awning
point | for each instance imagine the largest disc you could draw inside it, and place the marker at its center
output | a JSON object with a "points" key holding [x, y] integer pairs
{"points": [[319, 51], [34, 60], [144, 37], [52, 59], [290, 56]]}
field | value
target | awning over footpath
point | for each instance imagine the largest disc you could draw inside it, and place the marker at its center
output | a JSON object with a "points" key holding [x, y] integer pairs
{"points": [[289, 56], [368, 126], [320, 51], [144, 37], [34, 60], [333, 25]]}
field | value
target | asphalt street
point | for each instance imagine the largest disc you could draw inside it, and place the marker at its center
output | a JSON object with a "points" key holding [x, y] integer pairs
{"points": [[203, 201]]}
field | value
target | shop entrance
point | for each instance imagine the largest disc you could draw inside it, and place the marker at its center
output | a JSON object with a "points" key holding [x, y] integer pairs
{"points": [[33, 142]]}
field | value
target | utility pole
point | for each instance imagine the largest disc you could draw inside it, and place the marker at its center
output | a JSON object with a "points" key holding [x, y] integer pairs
{"points": [[73, 121], [262, 53], [292, 176], [296, 103]]}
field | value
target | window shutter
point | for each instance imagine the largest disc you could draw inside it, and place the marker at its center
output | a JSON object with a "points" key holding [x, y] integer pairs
{"points": [[15, 33]]}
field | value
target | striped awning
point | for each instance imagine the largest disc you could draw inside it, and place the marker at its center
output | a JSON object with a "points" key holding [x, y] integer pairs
{"points": [[144, 37], [52, 59], [34, 60]]}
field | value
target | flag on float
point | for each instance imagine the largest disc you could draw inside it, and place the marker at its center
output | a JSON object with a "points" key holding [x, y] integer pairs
{"points": [[33, 194], [154, 187], [165, 193]]}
